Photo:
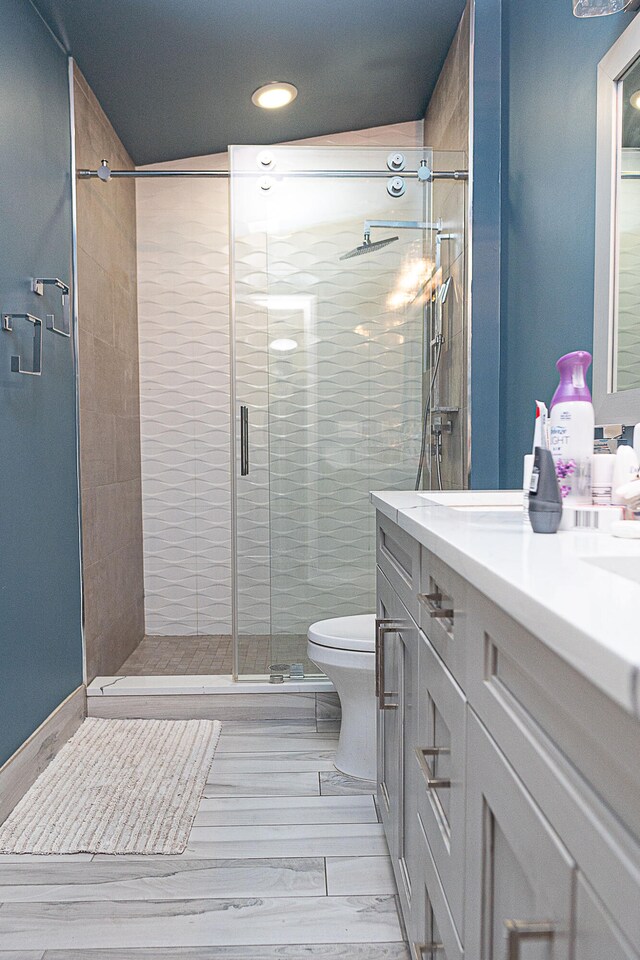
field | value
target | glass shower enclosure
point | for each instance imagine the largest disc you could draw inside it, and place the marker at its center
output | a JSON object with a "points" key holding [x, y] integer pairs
{"points": [[328, 353]]}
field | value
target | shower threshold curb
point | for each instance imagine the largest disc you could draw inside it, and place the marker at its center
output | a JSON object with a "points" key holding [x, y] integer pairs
{"points": [[203, 684]]}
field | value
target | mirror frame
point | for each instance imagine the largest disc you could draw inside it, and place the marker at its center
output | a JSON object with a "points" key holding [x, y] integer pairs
{"points": [[622, 406]]}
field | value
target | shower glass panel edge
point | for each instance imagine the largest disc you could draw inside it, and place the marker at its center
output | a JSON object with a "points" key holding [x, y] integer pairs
{"points": [[327, 363]]}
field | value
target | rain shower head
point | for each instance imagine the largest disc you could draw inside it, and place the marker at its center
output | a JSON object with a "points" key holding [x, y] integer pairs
{"points": [[368, 247]]}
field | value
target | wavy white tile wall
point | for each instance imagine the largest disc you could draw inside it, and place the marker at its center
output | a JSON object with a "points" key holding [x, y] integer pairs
{"points": [[183, 277], [183, 260]]}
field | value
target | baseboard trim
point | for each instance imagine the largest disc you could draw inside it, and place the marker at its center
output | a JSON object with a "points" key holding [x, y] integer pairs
{"points": [[29, 760]]}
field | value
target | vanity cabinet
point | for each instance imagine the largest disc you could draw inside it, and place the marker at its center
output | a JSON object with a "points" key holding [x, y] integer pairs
{"points": [[509, 786]]}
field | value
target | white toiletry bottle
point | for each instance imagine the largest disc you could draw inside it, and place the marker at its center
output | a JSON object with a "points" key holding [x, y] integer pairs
{"points": [[602, 467], [636, 440], [625, 469], [572, 428]]}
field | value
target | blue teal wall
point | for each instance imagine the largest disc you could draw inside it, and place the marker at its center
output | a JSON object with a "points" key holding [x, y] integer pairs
{"points": [[40, 614], [485, 245], [550, 63]]}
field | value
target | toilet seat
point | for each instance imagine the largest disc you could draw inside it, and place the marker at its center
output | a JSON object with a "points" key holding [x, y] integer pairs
{"points": [[346, 633]]}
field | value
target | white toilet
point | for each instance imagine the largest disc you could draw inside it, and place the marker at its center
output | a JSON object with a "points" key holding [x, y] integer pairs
{"points": [[344, 649]]}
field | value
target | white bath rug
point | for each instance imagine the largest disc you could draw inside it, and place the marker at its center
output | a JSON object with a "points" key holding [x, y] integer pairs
{"points": [[118, 786]]}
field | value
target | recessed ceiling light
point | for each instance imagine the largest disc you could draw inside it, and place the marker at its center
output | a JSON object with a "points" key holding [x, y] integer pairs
{"points": [[274, 95], [634, 99], [283, 345]]}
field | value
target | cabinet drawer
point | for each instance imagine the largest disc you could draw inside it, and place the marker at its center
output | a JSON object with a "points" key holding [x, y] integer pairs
{"points": [[435, 936], [440, 759], [398, 556], [575, 751], [441, 605]]}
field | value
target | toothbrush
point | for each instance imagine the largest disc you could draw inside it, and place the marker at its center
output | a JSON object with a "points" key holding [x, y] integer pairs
{"points": [[541, 432]]}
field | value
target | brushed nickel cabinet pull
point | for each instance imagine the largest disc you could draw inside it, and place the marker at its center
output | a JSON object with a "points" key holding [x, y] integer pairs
{"points": [[420, 949], [429, 600], [519, 930], [433, 783], [384, 625]]}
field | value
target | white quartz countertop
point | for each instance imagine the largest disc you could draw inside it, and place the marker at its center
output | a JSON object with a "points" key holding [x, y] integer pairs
{"points": [[562, 588]]}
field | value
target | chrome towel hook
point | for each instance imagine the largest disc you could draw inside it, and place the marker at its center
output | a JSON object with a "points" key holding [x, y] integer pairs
{"points": [[37, 285], [7, 326]]}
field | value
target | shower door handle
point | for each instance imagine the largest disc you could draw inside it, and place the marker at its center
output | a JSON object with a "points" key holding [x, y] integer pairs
{"points": [[244, 441]]}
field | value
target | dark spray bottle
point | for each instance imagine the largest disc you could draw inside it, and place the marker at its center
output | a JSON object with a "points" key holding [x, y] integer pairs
{"points": [[545, 499]]}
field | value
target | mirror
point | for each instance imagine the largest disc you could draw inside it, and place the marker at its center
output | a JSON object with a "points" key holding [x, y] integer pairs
{"points": [[626, 317], [616, 370]]}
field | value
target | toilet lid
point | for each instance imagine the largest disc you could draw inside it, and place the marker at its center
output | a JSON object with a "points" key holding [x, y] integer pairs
{"points": [[346, 633]]}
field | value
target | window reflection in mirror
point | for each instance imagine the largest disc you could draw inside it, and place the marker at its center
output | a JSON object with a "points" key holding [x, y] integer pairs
{"points": [[626, 352]]}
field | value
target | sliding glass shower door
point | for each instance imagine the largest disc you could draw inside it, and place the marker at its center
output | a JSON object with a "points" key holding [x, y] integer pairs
{"points": [[327, 369]]}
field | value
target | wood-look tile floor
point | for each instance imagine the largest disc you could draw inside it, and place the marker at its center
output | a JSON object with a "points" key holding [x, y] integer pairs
{"points": [[286, 860], [197, 656]]}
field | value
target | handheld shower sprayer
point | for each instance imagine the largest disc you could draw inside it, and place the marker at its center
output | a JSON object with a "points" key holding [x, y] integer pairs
{"points": [[438, 342]]}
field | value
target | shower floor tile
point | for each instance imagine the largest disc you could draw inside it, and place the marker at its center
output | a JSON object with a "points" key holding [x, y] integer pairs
{"points": [[181, 656]]}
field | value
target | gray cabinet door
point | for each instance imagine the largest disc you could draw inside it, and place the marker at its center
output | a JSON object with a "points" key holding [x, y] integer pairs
{"points": [[434, 935], [409, 832], [597, 936], [439, 760], [389, 672], [519, 875], [397, 737]]}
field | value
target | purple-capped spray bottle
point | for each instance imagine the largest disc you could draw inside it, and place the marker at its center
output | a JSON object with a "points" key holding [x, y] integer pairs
{"points": [[572, 428]]}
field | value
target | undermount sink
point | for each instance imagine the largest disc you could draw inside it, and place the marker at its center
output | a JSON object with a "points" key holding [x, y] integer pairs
{"points": [[623, 566], [486, 500]]}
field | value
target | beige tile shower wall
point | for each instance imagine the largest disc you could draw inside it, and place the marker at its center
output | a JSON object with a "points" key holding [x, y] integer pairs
{"points": [[109, 396], [183, 259], [446, 131]]}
